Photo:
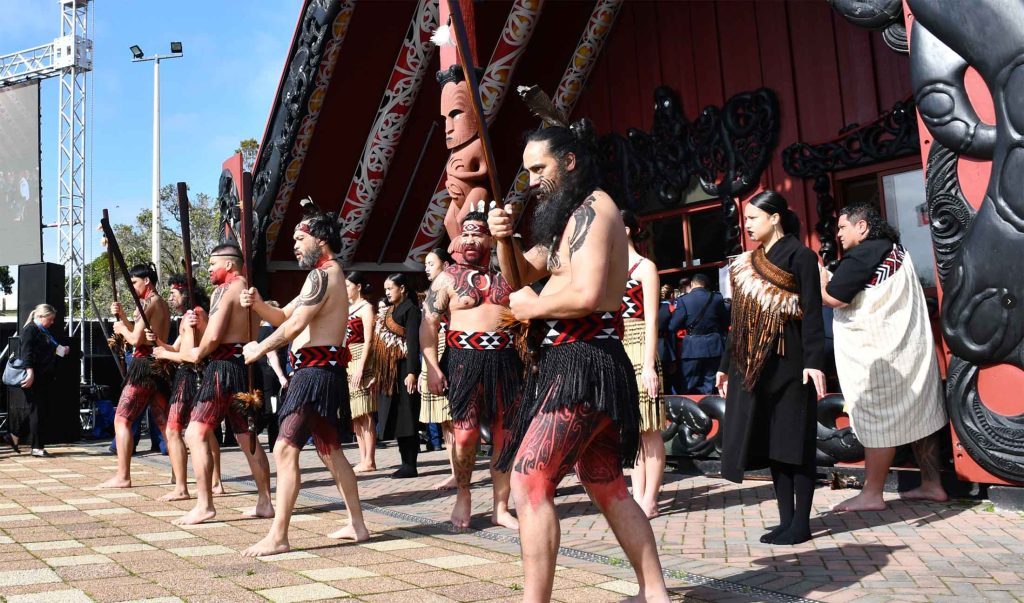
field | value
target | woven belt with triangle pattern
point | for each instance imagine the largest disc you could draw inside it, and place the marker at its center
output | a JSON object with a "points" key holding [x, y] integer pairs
{"points": [[596, 326], [482, 340], [319, 355]]}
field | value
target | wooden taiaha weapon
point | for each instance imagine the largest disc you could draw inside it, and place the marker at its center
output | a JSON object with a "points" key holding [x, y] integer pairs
{"points": [[186, 240], [506, 248], [116, 341], [115, 254], [253, 398]]}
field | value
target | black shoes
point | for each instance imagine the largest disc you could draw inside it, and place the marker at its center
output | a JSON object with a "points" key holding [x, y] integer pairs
{"points": [[405, 471], [10, 442]]}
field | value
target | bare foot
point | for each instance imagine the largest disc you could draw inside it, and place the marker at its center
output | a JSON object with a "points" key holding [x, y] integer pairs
{"points": [[463, 510], [933, 493], [267, 546], [263, 510], [361, 468], [196, 515], [650, 509], [862, 502], [504, 519], [351, 532], [218, 488], [116, 482], [446, 484], [175, 495]]}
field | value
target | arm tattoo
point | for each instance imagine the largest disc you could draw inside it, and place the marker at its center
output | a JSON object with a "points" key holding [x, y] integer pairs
{"points": [[276, 341], [215, 302], [437, 299], [584, 216], [318, 288]]}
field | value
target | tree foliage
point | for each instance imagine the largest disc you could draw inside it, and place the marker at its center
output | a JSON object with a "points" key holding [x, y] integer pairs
{"points": [[248, 148], [135, 242], [6, 280]]}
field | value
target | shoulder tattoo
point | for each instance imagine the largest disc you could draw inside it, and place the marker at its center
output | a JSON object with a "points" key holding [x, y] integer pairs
{"points": [[218, 293], [437, 299], [317, 280], [584, 216]]}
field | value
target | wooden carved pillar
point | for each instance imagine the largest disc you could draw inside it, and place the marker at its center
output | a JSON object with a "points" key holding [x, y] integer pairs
{"points": [[968, 79], [467, 179]]}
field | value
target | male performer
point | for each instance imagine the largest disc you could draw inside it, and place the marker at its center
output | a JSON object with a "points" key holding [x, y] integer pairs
{"points": [[223, 377], [481, 362], [314, 323], [144, 386], [580, 408], [187, 376], [885, 355]]}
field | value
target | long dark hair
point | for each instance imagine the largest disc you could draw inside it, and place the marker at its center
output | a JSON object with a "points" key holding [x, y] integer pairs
{"points": [[442, 254], [773, 203], [356, 278], [400, 280], [637, 233], [177, 281], [147, 270]]}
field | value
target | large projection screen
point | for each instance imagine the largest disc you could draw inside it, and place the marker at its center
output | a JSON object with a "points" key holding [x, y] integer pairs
{"points": [[20, 216]]}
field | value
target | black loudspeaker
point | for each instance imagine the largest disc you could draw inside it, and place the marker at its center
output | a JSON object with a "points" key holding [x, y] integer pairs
{"points": [[41, 283]]}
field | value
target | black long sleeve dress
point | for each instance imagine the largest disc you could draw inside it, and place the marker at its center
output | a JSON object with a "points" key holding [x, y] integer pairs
{"points": [[402, 411], [777, 420], [38, 352]]}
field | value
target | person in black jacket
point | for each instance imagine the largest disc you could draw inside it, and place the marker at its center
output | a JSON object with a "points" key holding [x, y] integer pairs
{"points": [[773, 364], [395, 365], [39, 351], [703, 314]]}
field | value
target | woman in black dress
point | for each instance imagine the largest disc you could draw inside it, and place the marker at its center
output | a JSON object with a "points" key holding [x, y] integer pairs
{"points": [[773, 366], [39, 354], [394, 362]]}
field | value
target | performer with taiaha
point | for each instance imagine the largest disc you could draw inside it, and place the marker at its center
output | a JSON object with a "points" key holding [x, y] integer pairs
{"points": [[640, 320], [773, 364], [146, 385], [186, 380], [223, 379], [434, 407], [580, 406], [480, 368], [361, 317], [314, 323]]}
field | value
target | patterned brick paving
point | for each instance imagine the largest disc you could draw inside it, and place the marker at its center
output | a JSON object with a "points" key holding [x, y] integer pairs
{"points": [[61, 540]]}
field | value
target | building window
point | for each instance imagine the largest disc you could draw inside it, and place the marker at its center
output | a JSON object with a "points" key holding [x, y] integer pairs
{"points": [[687, 240], [897, 191]]}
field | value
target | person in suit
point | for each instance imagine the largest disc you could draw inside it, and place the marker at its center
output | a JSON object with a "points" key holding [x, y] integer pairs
{"points": [[668, 343], [704, 316]]}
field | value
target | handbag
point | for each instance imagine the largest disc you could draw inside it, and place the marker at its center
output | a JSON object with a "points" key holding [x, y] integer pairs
{"points": [[15, 372]]}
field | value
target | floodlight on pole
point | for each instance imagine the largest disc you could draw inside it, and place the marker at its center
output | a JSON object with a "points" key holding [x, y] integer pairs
{"points": [[138, 56]]}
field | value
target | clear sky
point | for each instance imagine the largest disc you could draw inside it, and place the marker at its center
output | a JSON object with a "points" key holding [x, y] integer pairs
{"points": [[219, 93]]}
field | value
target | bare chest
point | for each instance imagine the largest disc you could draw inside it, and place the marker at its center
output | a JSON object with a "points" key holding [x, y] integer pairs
{"points": [[473, 287]]}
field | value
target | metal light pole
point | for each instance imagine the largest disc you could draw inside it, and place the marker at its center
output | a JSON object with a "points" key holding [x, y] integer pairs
{"points": [[176, 52]]}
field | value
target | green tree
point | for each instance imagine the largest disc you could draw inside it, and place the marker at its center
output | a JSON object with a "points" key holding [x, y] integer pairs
{"points": [[135, 242], [248, 148], [6, 280]]}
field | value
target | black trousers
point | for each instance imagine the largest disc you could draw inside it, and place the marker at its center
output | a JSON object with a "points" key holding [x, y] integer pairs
{"points": [[409, 449], [36, 400]]}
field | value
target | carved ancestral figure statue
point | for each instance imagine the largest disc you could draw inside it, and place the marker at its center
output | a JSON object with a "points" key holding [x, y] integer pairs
{"points": [[980, 318], [467, 170]]}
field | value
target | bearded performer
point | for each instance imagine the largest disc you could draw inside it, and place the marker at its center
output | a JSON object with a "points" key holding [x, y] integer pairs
{"points": [[773, 364], [362, 405], [315, 405], [434, 407], [640, 319], [185, 385], [146, 384], [395, 366], [580, 408], [223, 377], [481, 362]]}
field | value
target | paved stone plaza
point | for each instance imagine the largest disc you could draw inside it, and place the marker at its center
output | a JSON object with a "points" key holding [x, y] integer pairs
{"points": [[63, 540]]}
